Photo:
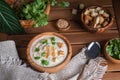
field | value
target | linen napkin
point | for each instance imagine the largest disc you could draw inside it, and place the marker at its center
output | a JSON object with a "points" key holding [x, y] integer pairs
{"points": [[12, 69]]}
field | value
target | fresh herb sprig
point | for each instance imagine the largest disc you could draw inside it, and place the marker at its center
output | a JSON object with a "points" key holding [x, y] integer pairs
{"points": [[36, 11]]}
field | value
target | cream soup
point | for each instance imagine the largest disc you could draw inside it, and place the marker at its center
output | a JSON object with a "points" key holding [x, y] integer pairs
{"points": [[48, 51]]}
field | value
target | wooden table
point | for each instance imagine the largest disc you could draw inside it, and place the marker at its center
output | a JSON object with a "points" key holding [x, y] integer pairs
{"points": [[77, 36]]}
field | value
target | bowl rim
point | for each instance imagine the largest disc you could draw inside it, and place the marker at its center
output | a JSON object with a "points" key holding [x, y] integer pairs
{"points": [[114, 60], [99, 30], [49, 69]]}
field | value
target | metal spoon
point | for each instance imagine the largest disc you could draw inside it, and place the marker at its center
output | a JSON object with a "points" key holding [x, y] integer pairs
{"points": [[91, 52]]}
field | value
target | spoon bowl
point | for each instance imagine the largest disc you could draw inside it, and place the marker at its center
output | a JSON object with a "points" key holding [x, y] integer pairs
{"points": [[93, 50]]}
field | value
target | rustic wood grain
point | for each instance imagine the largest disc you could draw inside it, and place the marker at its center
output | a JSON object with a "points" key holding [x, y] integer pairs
{"points": [[75, 3], [77, 35], [3, 36], [51, 27], [57, 13], [112, 76], [116, 5], [74, 38]]}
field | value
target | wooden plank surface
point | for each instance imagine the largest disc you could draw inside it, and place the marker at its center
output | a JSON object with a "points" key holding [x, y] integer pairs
{"points": [[77, 35], [116, 5], [112, 76]]}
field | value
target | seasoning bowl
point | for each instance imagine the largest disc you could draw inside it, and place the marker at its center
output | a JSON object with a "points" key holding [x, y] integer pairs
{"points": [[96, 19], [62, 24], [52, 52], [113, 56]]}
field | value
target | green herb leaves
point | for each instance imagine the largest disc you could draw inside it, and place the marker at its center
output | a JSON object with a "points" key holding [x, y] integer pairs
{"points": [[9, 22], [113, 48], [60, 4], [63, 4], [45, 62], [37, 58], [43, 54], [45, 41], [37, 49], [35, 11], [53, 40]]}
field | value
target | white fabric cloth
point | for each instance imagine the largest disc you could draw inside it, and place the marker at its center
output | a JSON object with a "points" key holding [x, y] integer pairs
{"points": [[11, 68]]}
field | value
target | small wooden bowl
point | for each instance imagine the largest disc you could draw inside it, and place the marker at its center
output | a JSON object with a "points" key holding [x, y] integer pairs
{"points": [[49, 69], [108, 56], [99, 30], [65, 27], [30, 23]]}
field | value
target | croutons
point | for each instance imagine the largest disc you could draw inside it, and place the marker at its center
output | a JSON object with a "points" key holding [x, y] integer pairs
{"points": [[60, 45], [61, 52]]}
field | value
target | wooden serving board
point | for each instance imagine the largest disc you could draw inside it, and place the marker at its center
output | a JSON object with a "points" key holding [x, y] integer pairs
{"points": [[77, 35]]}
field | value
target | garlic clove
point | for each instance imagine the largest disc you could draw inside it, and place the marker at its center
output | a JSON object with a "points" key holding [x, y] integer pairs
{"points": [[87, 12], [101, 11], [96, 21], [98, 8], [101, 19], [105, 23], [92, 10], [106, 15], [94, 14], [98, 26], [88, 17]]}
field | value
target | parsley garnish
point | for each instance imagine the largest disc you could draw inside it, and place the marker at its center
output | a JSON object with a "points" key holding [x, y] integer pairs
{"points": [[37, 49]]}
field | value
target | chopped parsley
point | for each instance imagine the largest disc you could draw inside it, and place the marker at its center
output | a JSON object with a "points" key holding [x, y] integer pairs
{"points": [[45, 62], [43, 54], [53, 39], [45, 42], [37, 57], [53, 43], [37, 49]]}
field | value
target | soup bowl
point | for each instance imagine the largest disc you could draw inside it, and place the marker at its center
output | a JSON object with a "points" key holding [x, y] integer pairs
{"points": [[49, 52]]}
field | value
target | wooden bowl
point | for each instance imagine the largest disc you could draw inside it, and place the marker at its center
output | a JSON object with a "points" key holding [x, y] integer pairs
{"points": [[108, 56], [101, 29], [49, 69], [63, 27], [30, 23]]}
